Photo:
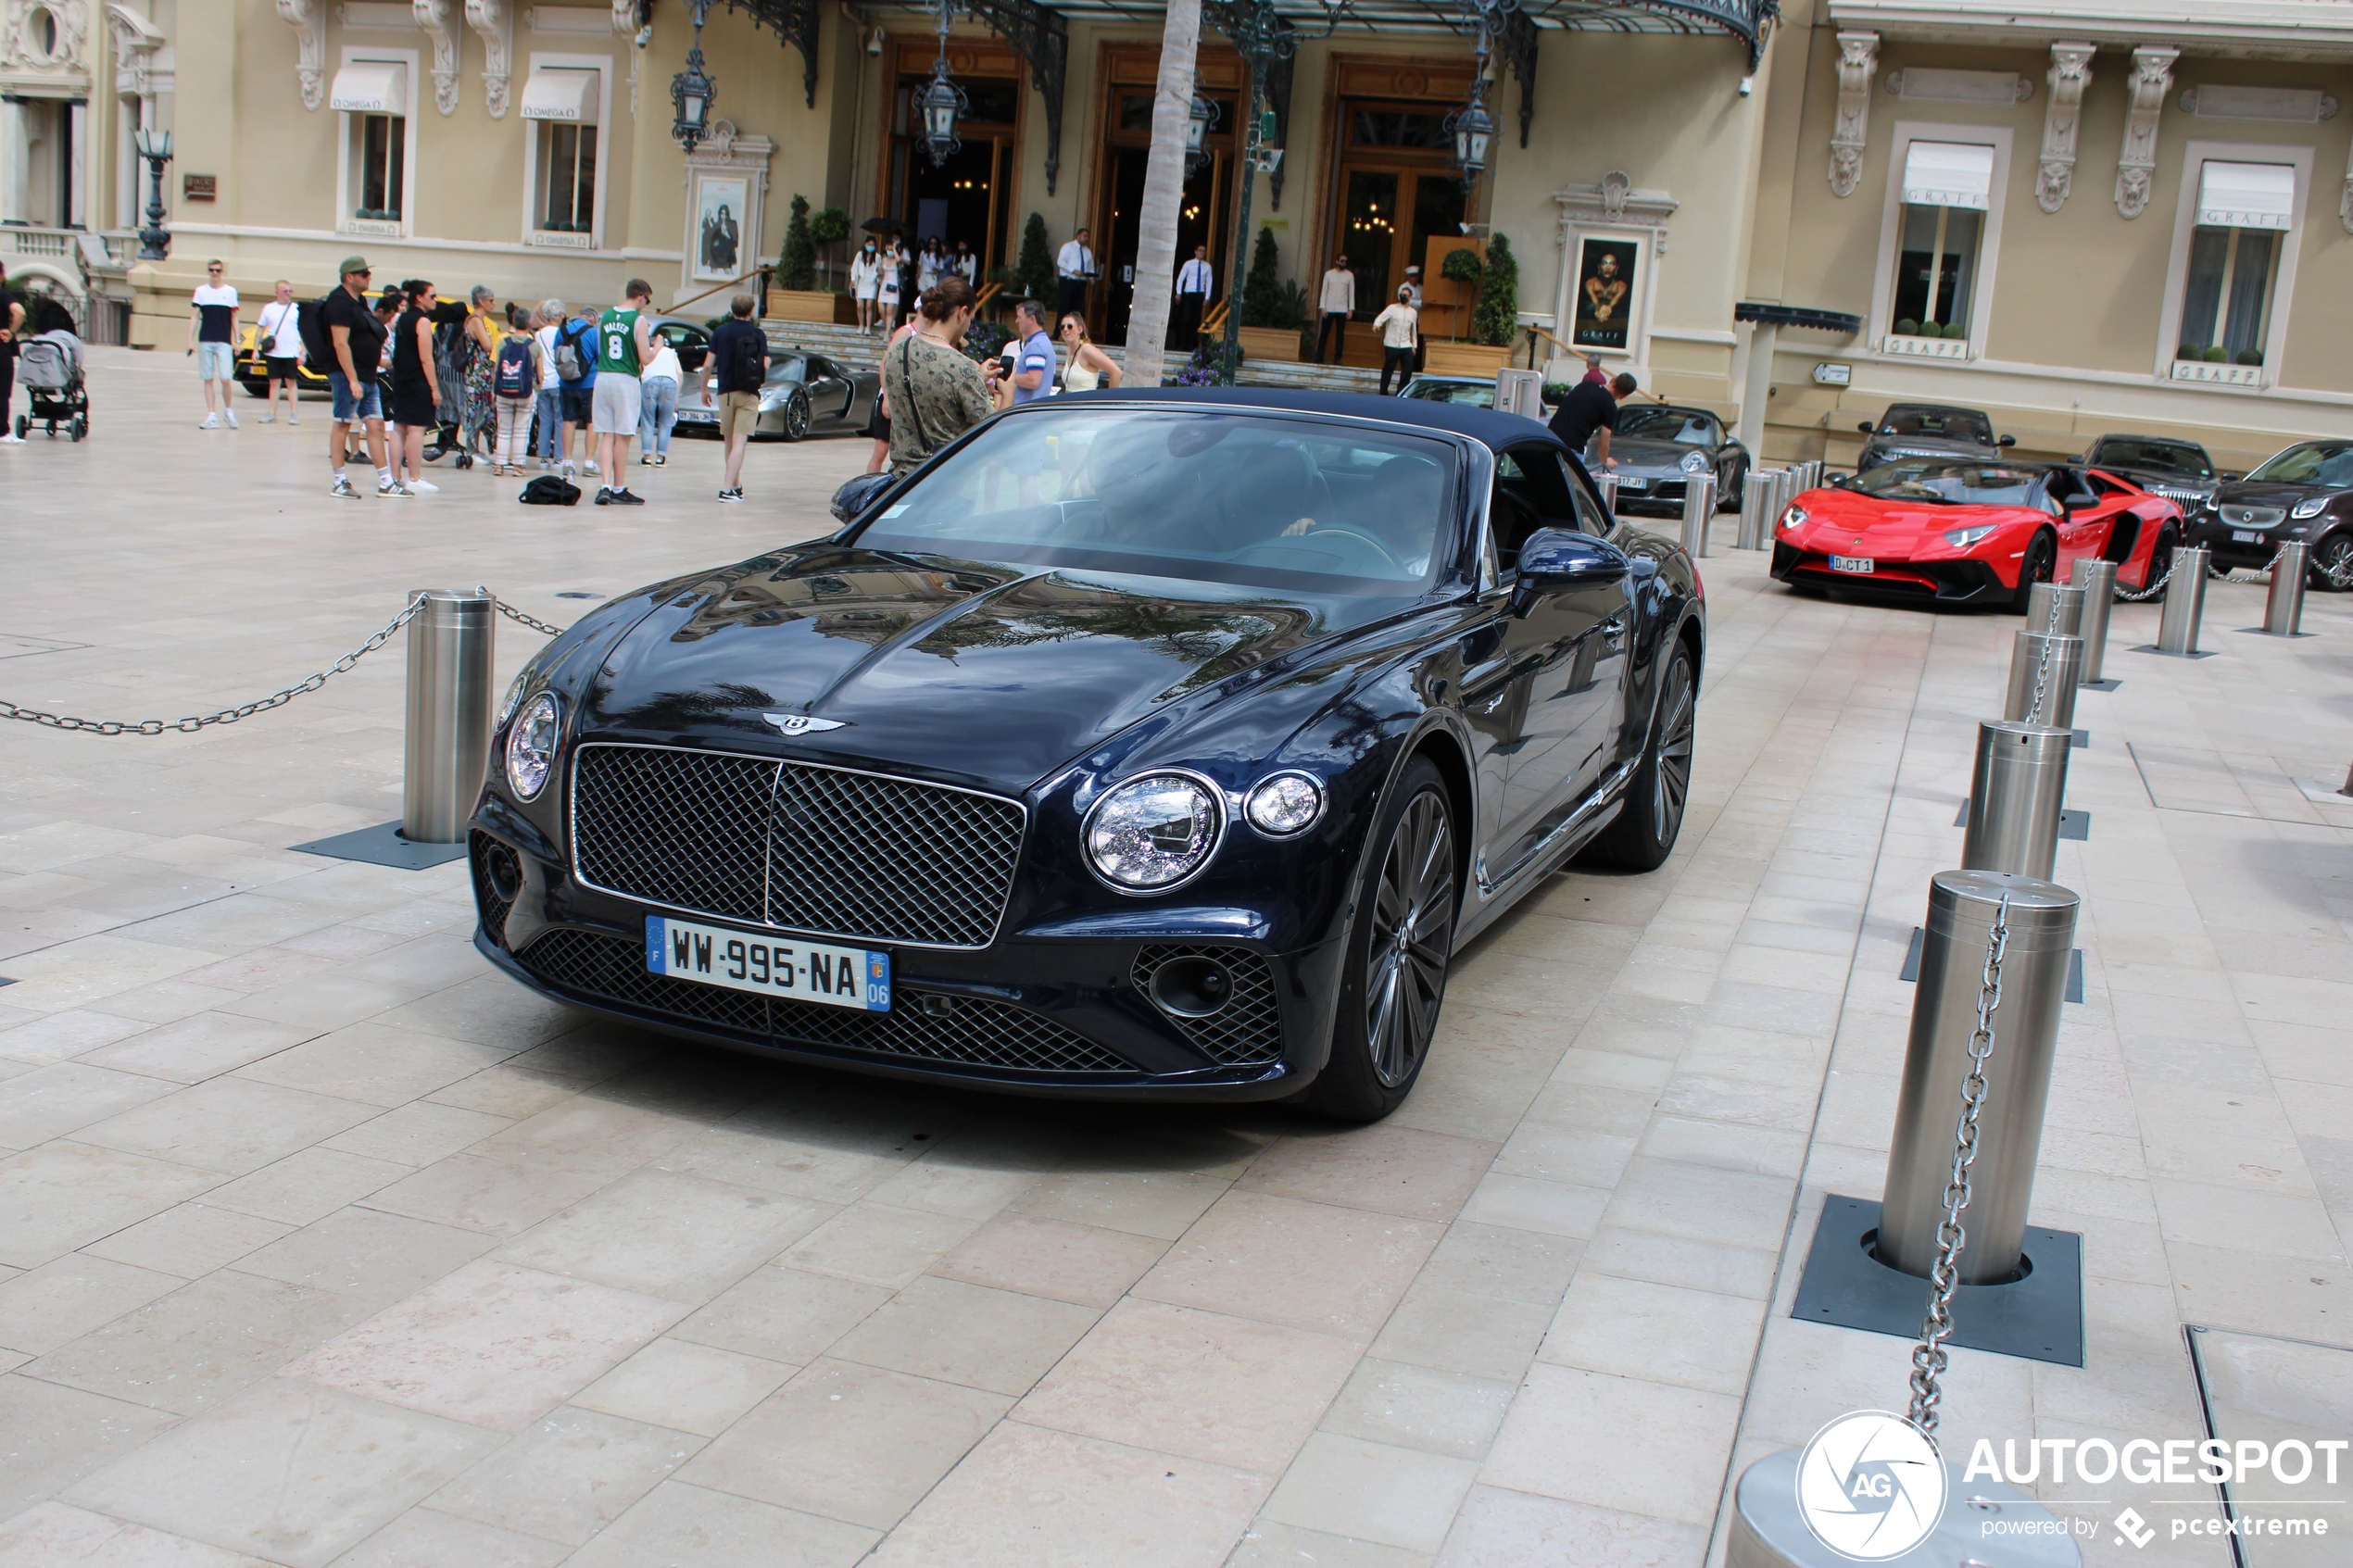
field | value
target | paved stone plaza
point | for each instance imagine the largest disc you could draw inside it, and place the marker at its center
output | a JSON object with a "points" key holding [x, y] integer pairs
{"points": [[321, 1243]]}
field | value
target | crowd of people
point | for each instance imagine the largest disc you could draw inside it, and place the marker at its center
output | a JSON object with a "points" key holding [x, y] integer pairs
{"points": [[933, 391], [412, 376], [887, 278]]}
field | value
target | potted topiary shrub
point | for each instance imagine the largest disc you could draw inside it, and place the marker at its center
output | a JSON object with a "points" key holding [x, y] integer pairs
{"points": [[1034, 269], [1494, 319], [828, 228], [1274, 309], [796, 297]]}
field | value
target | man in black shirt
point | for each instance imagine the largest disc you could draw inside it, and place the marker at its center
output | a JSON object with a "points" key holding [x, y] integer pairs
{"points": [[1591, 408], [739, 373], [358, 343], [11, 324]]}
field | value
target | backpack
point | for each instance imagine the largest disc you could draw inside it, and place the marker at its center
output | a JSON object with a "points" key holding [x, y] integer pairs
{"points": [[318, 344], [548, 490], [747, 374], [569, 365], [514, 377]]}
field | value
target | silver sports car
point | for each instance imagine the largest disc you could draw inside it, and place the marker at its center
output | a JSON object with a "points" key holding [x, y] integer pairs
{"points": [[806, 393]]}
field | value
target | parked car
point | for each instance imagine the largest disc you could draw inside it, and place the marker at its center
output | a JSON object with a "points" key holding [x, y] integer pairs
{"points": [[1657, 447], [2304, 493], [1164, 743], [2179, 470], [1471, 392], [805, 393], [1928, 430], [1961, 530]]}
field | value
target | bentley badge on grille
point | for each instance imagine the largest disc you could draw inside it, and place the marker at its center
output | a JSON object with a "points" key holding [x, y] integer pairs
{"points": [[800, 723]]}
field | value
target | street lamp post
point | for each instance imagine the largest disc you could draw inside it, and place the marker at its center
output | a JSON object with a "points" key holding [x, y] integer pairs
{"points": [[693, 90], [154, 240]]}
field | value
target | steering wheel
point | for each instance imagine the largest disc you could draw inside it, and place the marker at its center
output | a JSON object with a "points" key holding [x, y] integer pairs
{"points": [[1381, 549]]}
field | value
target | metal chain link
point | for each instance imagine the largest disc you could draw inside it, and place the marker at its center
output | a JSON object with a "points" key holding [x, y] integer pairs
{"points": [[2042, 664], [1928, 1355], [2141, 596], [191, 724]]}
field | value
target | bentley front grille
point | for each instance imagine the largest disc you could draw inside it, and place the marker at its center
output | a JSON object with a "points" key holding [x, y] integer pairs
{"points": [[1246, 1032], [923, 1026], [823, 850]]}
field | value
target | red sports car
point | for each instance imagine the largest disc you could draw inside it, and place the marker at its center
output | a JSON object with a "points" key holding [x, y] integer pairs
{"points": [[1971, 531]]}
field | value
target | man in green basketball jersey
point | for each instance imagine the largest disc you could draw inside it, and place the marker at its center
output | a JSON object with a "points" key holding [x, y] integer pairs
{"points": [[624, 343]]}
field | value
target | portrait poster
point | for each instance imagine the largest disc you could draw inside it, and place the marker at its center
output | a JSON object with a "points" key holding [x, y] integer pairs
{"points": [[1605, 294], [722, 204]]}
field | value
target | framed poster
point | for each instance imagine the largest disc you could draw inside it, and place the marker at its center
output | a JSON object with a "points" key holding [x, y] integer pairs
{"points": [[723, 202], [1604, 291]]}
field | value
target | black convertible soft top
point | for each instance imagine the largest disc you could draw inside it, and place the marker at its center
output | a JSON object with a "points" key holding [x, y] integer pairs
{"points": [[1483, 425]]}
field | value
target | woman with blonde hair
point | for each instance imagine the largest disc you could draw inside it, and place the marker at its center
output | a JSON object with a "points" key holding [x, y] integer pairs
{"points": [[1090, 366]]}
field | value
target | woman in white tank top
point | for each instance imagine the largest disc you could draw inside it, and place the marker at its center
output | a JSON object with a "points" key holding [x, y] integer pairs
{"points": [[1090, 366]]}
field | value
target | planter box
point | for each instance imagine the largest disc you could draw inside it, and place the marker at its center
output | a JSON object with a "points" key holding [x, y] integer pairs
{"points": [[1270, 343], [801, 305], [1465, 359]]}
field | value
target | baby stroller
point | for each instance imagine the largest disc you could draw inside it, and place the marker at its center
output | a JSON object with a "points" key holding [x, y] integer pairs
{"points": [[49, 367]]}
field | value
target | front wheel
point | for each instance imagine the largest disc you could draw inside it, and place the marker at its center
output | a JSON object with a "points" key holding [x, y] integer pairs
{"points": [[795, 418], [1645, 831], [1393, 979], [2332, 569], [2040, 566]]}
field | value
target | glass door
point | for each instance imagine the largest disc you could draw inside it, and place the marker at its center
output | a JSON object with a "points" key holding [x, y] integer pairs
{"points": [[1398, 189]]}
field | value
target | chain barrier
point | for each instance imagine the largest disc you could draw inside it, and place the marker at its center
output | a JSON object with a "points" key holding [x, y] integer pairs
{"points": [[2141, 596], [191, 724], [2042, 664], [1928, 1355]]}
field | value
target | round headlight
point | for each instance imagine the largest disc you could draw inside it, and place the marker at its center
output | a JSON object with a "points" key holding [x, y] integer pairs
{"points": [[1695, 462], [1284, 805], [530, 745], [1154, 832], [514, 696]]}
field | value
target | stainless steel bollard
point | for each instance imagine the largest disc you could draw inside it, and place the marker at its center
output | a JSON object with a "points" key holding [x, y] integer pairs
{"points": [[2069, 602], [2058, 683], [1961, 907], [2097, 579], [1758, 512], [1769, 1529], [2283, 606], [1607, 483], [2014, 796], [2185, 602], [450, 645], [1699, 510]]}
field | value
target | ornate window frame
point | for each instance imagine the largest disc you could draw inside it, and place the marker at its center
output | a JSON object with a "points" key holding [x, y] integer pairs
{"points": [[345, 223], [2177, 266], [606, 66], [1891, 229], [1613, 209], [727, 154]]}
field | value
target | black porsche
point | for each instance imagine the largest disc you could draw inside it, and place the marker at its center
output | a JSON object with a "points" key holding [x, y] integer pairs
{"points": [[2303, 495], [1156, 744]]}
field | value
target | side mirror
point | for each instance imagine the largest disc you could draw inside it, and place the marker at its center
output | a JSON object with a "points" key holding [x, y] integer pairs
{"points": [[1865, 427], [2226, 477], [1554, 560], [2006, 441], [1838, 481], [859, 496], [2080, 459]]}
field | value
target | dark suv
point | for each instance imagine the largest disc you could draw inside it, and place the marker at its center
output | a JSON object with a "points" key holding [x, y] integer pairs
{"points": [[2302, 495], [1927, 430]]}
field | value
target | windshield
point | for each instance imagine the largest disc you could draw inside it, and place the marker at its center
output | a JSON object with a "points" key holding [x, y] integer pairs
{"points": [[1943, 424], [2163, 456], [2313, 462], [1226, 496], [1680, 425], [1944, 482], [793, 369], [1478, 393]]}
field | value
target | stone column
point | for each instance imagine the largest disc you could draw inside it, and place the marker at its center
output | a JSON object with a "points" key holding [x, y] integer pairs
{"points": [[16, 160]]}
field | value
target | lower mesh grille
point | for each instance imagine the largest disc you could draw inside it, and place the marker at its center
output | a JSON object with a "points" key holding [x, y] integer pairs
{"points": [[1249, 1029], [492, 909], [971, 1033]]}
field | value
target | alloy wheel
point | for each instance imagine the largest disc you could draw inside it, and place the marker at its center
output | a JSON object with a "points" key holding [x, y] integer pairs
{"points": [[1672, 779], [796, 419], [2332, 562], [1413, 937]]}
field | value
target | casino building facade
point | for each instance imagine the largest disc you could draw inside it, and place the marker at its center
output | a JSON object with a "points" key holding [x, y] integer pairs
{"points": [[2061, 211]]}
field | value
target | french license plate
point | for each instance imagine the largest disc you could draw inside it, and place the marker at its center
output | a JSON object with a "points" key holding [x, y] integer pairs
{"points": [[798, 970], [2246, 536], [1852, 563], [1633, 484]]}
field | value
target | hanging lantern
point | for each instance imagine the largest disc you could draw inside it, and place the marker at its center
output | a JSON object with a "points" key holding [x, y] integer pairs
{"points": [[693, 91], [939, 104], [1198, 125], [1474, 132]]}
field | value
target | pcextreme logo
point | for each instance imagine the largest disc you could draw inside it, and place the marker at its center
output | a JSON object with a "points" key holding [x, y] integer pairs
{"points": [[1870, 1485]]}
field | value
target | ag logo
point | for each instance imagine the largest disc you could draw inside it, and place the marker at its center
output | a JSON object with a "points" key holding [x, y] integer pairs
{"points": [[800, 723], [1870, 1485]]}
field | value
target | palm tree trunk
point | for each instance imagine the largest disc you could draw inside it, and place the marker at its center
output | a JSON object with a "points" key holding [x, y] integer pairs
{"points": [[1164, 194]]}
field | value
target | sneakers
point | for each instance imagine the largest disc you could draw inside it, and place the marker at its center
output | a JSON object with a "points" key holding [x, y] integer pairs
{"points": [[604, 495], [590, 467], [294, 418], [425, 485], [212, 422], [267, 419], [645, 462], [10, 438], [232, 419], [621, 497], [732, 495], [569, 470], [343, 491], [662, 461], [395, 491]]}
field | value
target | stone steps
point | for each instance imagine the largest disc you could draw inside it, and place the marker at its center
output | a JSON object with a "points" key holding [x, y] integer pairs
{"points": [[862, 350]]}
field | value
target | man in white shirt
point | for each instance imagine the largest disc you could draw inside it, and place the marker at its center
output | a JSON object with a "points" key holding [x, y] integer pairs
{"points": [[1336, 302], [278, 334], [1194, 281], [1075, 267], [1421, 346], [212, 341], [1400, 329]]}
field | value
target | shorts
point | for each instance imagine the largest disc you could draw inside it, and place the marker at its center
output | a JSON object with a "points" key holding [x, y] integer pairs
{"points": [[619, 399], [576, 397], [412, 404], [216, 361], [281, 366], [368, 406], [739, 414]]}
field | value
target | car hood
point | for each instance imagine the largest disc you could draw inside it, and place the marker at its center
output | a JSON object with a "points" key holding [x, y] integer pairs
{"points": [[2268, 493], [981, 672], [1930, 447], [1846, 523], [1651, 454], [2155, 479]]}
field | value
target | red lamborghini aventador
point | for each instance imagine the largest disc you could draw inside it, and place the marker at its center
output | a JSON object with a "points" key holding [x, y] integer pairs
{"points": [[1971, 531]]}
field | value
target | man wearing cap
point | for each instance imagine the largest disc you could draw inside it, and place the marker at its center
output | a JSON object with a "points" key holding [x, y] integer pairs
{"points": [[359, 340], [1414, 286]]}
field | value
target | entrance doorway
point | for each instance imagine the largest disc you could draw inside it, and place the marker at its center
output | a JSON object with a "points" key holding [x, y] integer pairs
{"points": [[1398, 189], [1131, 73], [970, 196]]}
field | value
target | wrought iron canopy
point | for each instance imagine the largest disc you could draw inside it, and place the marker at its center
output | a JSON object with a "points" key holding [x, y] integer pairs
{"points": [[794, 22]]}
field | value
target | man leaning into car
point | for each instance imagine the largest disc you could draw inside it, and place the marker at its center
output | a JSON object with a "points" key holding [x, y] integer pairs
{"points": [[1590, 409]]}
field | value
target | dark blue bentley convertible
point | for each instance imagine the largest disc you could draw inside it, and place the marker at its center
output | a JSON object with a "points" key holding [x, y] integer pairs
{"points": [[1149, 744]]}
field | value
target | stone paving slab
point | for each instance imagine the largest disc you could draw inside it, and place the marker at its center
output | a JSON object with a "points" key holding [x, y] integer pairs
{"points": [[319, 1243]]}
